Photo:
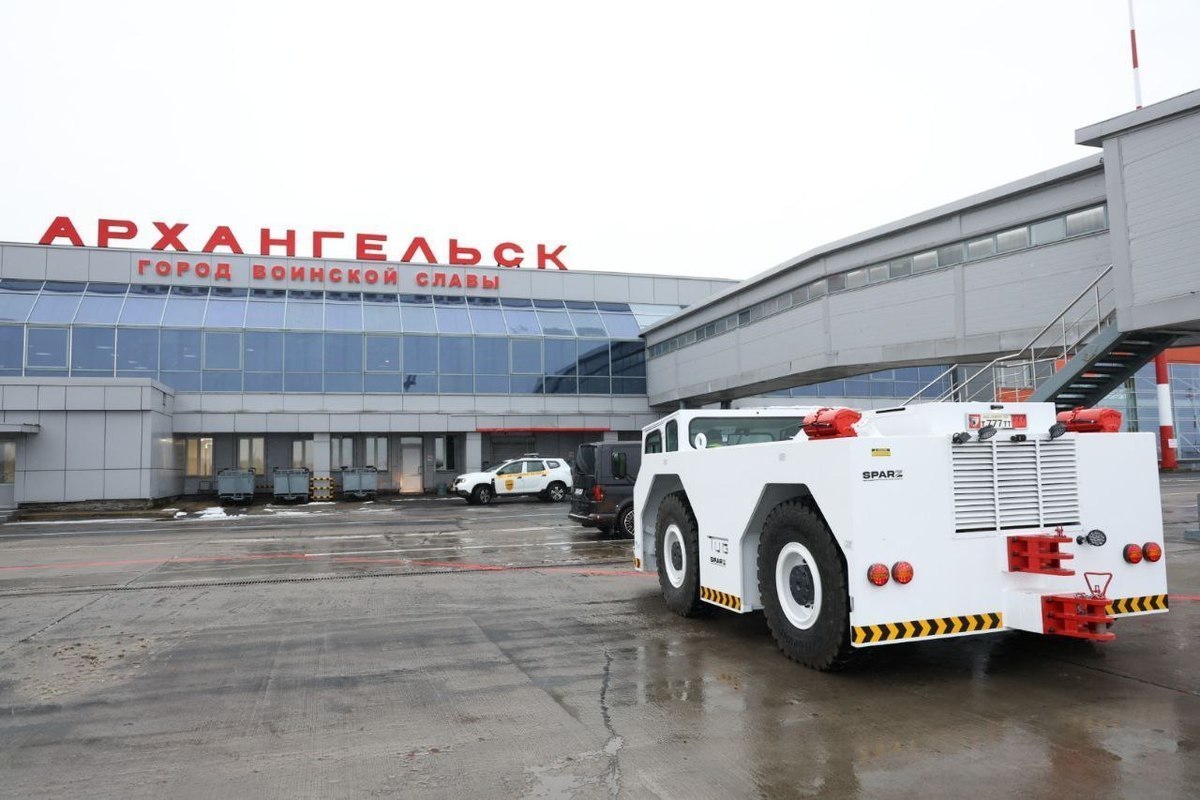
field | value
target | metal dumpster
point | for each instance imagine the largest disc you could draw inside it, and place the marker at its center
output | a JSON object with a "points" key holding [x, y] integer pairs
{"points": [[360, 482], [235, 485], [291, 484]]}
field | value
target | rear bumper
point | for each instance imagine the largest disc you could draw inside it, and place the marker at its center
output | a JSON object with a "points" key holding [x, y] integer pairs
{"points": [[592, 520]]}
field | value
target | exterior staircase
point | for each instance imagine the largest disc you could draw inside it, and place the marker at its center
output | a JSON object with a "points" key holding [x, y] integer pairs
{"points": [[1100, 366]]}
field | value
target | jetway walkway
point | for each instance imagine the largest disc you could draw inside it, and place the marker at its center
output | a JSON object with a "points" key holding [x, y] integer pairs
{"points": [[1057, 287]]}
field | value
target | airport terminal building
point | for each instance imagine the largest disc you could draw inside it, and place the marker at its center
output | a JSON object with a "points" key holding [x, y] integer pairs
{"points": [[140, 374], [131, 374]]}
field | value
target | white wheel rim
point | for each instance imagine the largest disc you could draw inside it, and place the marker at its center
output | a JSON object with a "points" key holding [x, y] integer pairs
{"points": [[674, 537], [795, 556], [628, 523]]}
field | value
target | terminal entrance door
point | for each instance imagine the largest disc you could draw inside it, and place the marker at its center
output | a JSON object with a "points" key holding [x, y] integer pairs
{"points": [[410, 465], [8, 472]]}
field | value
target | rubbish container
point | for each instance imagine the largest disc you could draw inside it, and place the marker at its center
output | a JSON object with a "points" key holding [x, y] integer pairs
{"points": [[235, 485], [360, 482], [291, 484]]}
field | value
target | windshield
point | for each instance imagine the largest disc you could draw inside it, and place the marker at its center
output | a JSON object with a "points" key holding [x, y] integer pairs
{"points": [[501, 465], [729, 431]]}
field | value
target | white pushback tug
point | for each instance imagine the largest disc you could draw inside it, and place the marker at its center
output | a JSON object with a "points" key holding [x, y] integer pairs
{"points": [[856, 529]]}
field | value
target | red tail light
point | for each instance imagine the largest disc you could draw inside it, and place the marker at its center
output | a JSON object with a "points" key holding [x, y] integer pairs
{"points": [[597, 493], [877, 574], [1152, 551], [902, 572], [1132, 553]]}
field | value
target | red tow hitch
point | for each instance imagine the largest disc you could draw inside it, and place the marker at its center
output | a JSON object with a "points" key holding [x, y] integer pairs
{"points": [[1039, 554], [1081, 616]]}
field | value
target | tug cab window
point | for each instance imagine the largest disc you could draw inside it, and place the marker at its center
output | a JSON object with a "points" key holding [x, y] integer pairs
{"points": [[672, 436], [653, 442], [730, 431]]}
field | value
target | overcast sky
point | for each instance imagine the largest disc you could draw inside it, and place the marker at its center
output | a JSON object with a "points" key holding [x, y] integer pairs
{"points": [[693, 138]]}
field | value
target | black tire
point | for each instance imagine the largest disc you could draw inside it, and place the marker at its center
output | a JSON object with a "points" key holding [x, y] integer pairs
{"points": [[555, 492], [823, 643], [675, 512], [483, 494], [624, 524]]}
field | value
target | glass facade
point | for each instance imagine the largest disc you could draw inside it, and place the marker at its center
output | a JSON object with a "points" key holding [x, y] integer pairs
{"points": [[225, 339], [1137, 400]]}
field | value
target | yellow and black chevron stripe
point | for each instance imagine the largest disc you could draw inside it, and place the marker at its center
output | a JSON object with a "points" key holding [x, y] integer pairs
{"points": [[720, 598], [1132, 605], [923, 628]]}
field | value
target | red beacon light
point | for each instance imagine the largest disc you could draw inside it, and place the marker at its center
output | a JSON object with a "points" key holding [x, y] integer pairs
{"points": [[1152, 551], [1091, 420], [831, 423], [902, 572], [1132, 553]]}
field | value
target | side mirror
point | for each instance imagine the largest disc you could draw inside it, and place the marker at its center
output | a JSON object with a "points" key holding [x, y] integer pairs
{"points": [[620, 466]]}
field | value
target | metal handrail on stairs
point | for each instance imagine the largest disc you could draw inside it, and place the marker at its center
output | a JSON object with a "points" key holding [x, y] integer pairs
{"points": [[1076, 328]]}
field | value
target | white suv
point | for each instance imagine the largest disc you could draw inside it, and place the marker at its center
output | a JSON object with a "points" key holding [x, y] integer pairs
{"points": [[548, 478]]}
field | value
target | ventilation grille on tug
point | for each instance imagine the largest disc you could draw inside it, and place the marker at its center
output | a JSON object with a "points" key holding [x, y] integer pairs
{"points": [[1006, 485]]}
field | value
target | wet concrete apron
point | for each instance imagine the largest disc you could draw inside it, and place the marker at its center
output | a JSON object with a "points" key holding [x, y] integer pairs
{"points": [[447, 651]]}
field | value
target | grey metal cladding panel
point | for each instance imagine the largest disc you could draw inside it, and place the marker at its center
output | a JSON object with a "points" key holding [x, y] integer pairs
{"points": [[86, 435], [1045, 201], [694, 291], [519, 283], [612, 288], [1161, 175], [666, 290], [124, 438], [67, 263], [914, 310], [549, 285], [770, 344], [1158, 139], [577, 285], [641, 289], [774, 343], [28, 263], [111, 266], [1028, 290]]}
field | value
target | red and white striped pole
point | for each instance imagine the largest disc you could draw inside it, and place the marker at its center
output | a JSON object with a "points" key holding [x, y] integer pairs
{"points": [[1137, 82], [1166, 418]]}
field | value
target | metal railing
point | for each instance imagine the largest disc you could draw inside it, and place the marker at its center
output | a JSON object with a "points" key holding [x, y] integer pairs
{"points": [[1020, 372]]}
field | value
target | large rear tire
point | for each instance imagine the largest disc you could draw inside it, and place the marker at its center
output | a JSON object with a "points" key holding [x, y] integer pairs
{"points": [[803, 586], [677, 550]]}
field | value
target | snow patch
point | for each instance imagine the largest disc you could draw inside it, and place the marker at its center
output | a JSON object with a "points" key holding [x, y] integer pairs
{"points": [[212, 512]]}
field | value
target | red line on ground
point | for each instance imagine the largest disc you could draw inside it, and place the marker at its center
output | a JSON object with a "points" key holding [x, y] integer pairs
{"points": [[130, 562], [1195, 598]]}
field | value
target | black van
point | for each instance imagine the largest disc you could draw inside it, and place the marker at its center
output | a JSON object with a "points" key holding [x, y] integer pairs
{"points": [[599, 499]]}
